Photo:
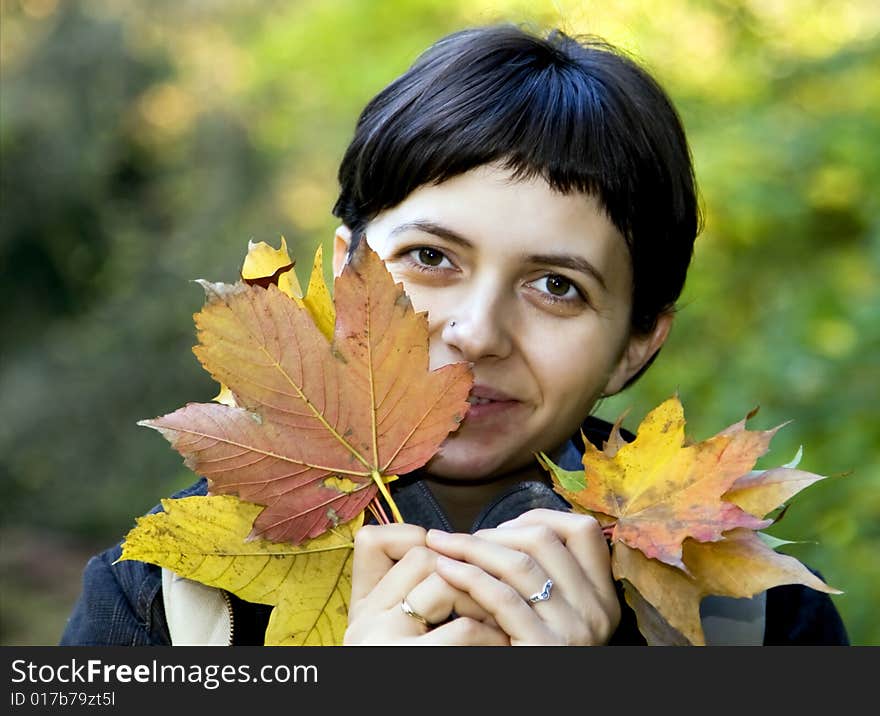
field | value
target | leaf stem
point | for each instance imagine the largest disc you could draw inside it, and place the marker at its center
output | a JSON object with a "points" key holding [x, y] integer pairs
{"points": [[380, 483], [378, 511], [373, 511], [381, 510]]}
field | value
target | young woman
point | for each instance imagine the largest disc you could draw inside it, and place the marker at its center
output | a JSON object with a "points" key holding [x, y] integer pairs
{"points": [[535, 196]]}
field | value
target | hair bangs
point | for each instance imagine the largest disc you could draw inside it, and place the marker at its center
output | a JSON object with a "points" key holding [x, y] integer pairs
{"points": [[575, 112], [539, 117]]}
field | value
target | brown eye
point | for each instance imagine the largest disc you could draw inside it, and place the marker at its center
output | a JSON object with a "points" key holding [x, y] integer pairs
{"points": [[431, 257], [558, 285]]}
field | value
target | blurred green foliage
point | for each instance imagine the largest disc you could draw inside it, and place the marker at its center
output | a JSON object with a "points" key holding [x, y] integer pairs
{"points": [[143, 144]]}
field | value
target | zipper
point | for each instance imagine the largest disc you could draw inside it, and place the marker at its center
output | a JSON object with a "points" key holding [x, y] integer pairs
{"points": [[229, 611], [436, 505]]}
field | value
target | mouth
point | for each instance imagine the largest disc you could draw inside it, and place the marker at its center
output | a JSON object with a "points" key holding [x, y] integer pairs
{"points": [[483, 394], [474, 400], [486, 402]]}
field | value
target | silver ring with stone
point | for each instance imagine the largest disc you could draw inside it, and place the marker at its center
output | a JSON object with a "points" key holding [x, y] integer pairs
{"points": [[543, 595]]}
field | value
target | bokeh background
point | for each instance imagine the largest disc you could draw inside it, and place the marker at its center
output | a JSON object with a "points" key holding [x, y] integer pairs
{"points": [[144, 143]]}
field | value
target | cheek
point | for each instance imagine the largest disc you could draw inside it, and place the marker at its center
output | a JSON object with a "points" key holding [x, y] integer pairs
{"points": [[564, 380], [574, 371], [425, 299]]}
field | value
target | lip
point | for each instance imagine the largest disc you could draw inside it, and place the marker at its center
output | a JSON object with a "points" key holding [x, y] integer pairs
{"points": [[487, 393], [499, 405]]}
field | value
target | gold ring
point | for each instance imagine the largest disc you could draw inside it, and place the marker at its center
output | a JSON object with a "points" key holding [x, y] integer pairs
{"points": [[410, 612]]}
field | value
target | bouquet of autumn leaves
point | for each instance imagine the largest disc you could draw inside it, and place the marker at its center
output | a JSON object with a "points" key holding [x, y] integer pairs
{"points": [[324, 401]]}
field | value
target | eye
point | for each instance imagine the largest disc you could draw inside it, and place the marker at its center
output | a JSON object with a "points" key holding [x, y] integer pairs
{"points": [[558, 285], [428, 257], [557, 288]]}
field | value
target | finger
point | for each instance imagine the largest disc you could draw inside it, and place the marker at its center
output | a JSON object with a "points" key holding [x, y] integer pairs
{"points": [[464, 631], [376, 549], [506, 605], [582, 535], [517, 568], [436, 600], [403, 577], [546, 548]]}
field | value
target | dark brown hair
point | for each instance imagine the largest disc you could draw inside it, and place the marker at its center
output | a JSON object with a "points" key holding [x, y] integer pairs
{"points": [[576, 112]]}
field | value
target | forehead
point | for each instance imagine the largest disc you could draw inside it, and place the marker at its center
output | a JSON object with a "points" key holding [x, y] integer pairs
{"points": [[506, 218]]}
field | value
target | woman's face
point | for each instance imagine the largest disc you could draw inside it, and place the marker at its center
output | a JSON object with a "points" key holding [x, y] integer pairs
{"points": [[533, 288]]}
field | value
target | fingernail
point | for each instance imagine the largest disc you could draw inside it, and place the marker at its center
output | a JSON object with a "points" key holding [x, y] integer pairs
{"points": [[438, 537]]}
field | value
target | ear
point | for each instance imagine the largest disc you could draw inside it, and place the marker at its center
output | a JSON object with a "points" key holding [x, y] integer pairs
{"points": [[341, 242], [638, 352]]}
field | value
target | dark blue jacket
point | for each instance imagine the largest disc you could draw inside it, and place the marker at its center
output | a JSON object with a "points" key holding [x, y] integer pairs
{"points": [[121, 604]]}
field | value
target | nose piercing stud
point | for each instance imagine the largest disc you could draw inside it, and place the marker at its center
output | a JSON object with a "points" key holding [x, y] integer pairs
{"points": [[451, 324]]}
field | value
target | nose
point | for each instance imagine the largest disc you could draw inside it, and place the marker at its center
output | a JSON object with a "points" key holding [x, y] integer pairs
{"points": [[479, 326]]}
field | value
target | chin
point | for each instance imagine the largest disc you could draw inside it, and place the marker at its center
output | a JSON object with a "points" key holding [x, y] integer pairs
{"points": [[457, 464]]}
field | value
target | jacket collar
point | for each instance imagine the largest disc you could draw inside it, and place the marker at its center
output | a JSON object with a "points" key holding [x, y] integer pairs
{"points": [[418, 505]]}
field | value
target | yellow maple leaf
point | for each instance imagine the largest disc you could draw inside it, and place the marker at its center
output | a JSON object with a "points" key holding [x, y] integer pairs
{"points": [[205, 539], [740, 565], [661, 490], [681, 518], [264, 265]]}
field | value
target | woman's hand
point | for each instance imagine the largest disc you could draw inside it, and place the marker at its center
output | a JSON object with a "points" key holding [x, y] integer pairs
{"points": [[392, 563], [501, 568]]}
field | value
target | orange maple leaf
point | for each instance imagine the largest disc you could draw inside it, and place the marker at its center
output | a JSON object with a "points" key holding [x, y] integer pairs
{"points": [[681, 518], [317, 427], [662, 491], [740, 565]]}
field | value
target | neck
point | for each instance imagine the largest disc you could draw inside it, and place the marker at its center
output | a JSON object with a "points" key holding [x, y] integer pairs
{"points": [[463, 500]]}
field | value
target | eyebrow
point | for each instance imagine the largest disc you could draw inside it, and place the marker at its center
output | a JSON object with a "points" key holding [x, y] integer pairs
{"points": [[576, 263], [429, 227]]}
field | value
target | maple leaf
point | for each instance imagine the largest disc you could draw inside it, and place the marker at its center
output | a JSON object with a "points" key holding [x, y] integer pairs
{"points": [[317, 426], [204, 539], [264, 265], [681, 518], [662, 491], [740, 565]]}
